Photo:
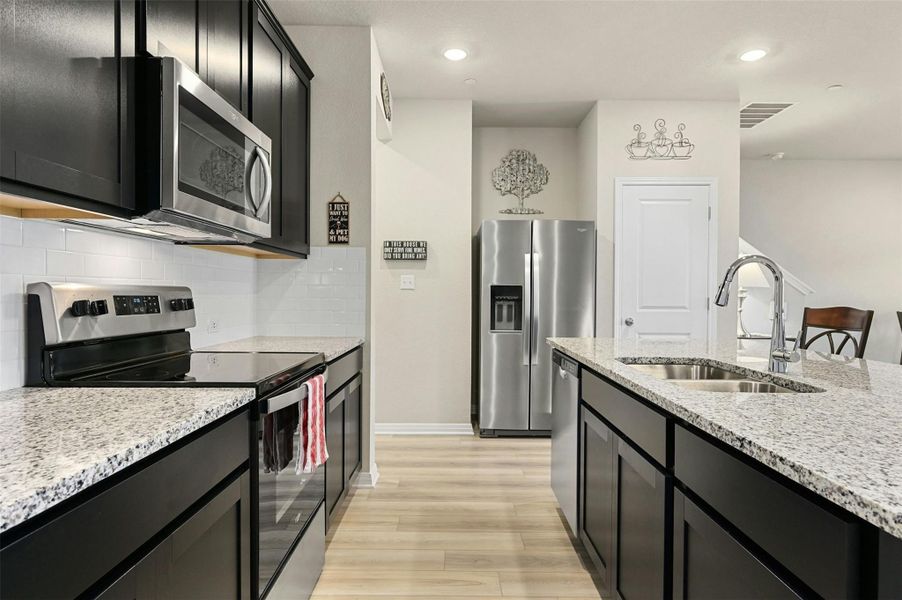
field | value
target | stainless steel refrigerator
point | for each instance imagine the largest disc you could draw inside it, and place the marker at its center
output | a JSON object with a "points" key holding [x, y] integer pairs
{"points": [[536, 280]]}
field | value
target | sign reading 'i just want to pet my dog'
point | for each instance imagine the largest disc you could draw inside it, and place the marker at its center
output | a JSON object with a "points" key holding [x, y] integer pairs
{"points": [[403, 250], [339, 220]]}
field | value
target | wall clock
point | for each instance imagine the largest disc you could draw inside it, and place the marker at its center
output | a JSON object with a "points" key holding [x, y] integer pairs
{"points": [[386, 97]]}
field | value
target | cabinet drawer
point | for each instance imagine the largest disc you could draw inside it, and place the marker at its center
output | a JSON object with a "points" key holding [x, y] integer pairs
{"points": [[641, 424], [87, 542], [343, 369], [818, 545]]}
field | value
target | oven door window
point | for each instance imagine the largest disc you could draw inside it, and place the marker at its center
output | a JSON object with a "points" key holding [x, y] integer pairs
{"points": [[287, 499], [218, 163]]}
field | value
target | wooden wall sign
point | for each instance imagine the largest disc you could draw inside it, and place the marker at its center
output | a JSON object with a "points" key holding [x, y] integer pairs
{"points": [[403, 250], [339, 220]]}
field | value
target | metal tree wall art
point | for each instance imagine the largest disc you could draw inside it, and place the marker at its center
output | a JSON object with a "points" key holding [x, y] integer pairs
{"points": [[661, 147], [520, 175]]}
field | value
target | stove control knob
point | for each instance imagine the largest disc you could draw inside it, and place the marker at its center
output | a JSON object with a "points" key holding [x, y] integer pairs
{"points": [[80, 308], [189, 303], [177, 304], [99, 307]]}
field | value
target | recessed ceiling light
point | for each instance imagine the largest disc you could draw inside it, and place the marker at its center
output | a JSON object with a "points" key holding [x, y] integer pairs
{"points": [[470, 81], [753, 55], [455, 54], [835, 87]]}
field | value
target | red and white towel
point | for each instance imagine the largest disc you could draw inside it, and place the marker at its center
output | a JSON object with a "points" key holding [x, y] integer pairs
{"points": [[313, 426]]}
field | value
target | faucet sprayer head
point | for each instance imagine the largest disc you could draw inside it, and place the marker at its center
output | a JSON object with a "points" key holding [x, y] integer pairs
{"points": [[723, 292]]}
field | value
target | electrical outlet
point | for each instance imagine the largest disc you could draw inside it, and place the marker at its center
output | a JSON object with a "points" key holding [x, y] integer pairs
{"points": [[212, 326], [408, 282]]}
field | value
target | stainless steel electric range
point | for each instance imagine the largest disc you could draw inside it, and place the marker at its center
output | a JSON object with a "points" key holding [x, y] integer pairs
{"points": [[133, 336]]}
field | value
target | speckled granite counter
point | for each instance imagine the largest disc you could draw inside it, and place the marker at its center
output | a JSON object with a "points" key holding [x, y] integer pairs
{"points": [[331, 347], [844, 444], [56, 442]]}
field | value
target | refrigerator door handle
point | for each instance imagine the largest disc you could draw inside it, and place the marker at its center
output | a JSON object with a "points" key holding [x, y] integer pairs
{"points": [[534, 317], [526, 324]]}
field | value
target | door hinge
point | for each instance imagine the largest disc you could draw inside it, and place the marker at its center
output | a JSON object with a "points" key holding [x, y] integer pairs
{"points": [[709, 213], [708, 303]]}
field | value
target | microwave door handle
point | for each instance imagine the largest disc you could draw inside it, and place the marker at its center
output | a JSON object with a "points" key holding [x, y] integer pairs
{"points": [[267, 186]]}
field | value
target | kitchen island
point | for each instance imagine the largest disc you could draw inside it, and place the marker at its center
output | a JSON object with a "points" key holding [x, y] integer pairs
{"points": [[801, 492]]}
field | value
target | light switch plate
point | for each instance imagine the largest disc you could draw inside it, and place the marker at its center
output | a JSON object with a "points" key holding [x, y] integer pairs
{"points": [[408, 282]]}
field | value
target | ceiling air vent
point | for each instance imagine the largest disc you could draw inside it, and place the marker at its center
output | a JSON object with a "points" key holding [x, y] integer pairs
{"points": [[757, 112]]}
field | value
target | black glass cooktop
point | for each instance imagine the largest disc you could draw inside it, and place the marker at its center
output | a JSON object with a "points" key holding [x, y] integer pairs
{"points": [[263, 370]]}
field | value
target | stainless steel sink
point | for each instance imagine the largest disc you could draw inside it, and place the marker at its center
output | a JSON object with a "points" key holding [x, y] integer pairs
{"points": [[704, 372], [747, 386], [710, 378]]}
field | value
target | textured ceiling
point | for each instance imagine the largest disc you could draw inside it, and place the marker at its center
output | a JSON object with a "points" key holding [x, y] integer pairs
{"points": [[555, 56]]}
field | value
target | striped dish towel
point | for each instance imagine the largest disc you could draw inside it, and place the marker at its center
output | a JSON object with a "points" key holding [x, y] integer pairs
{"points": [[313, 426]]}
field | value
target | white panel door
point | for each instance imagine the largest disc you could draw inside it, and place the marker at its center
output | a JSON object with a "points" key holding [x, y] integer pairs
{"points": [[662, 255]]}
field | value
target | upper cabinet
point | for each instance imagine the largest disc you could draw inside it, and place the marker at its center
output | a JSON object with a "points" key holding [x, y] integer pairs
{"points": [[210, 36], [67, 97], [63, 108], [280, 106]]}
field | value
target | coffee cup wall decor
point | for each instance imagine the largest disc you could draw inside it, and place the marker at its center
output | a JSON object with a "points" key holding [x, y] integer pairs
{"points": [[661, 147]]}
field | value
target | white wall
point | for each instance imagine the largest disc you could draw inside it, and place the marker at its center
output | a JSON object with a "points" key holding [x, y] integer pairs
{"points": [[554, 147], [837, 225], [421, 338], [711, 126], [224, 285], [587, 166]]}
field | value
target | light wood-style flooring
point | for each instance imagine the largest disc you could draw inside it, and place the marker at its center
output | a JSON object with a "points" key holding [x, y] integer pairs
{"points": [[455, 517]]}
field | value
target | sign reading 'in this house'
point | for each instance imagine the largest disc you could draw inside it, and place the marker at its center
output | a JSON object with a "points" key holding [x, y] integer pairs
{"points": [[403, 250]]}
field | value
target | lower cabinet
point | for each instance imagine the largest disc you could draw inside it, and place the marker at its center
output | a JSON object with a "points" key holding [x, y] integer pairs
{"points": [[597, 494], [208, 556], [624, 504], [180, 523], [709, 564], [343, 442], [335, 422]]}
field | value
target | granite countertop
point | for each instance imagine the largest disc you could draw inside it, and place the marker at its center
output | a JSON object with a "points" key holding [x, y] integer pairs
{"points": [[331, 347], [844, 443], [56, 442]]}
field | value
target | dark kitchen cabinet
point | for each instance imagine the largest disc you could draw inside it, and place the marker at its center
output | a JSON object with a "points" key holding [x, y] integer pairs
{"points": [[224, 49], [335, 423], [709, 564], [175, 525], [171, 29], [596, 494], [352, 430], [63, 102], [640, 542], [280, 106], [210, 36]]}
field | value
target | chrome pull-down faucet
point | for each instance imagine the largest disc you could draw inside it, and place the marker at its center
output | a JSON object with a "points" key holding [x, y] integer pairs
{"points": [[779, 354]]}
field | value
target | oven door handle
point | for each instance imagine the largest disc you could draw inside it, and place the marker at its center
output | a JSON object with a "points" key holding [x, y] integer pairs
{"points": [[286, 399]]}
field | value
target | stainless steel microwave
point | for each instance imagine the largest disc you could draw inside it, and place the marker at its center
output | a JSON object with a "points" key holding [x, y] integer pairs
{"points": [[201, 164]]}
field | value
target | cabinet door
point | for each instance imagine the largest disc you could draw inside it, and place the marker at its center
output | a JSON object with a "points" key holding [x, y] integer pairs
{"points": [[209, 555], [709, 564], [267, 67], [171, 29], [335, 422], [641, 526], [597, 494], [62, 101], [352, 430], [223, 52], [295, 160]]}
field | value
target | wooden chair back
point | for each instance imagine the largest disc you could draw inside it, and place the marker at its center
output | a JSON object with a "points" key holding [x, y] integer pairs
{"points": [[839, 323]]}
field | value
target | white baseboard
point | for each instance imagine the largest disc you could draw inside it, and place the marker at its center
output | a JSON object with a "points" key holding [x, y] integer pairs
{"points": [[367, 479], [424, 429]]}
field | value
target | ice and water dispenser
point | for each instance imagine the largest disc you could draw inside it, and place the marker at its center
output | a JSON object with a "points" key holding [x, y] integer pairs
{"points": [[507, 307]]}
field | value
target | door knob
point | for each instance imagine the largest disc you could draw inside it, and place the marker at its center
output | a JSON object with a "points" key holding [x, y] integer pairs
{"points": [[628, 321]]}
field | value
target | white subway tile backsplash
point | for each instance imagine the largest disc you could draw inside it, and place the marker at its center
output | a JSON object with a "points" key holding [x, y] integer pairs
{"points": [[43, 234], [323, 295], [65, 264]]}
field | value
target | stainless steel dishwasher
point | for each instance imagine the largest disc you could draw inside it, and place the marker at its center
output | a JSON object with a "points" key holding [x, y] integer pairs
{"points": [[564, 428]]}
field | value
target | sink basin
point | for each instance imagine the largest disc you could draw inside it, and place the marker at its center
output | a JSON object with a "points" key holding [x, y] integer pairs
{"points": [[712, 378], [747, 386], [704, 372]]}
